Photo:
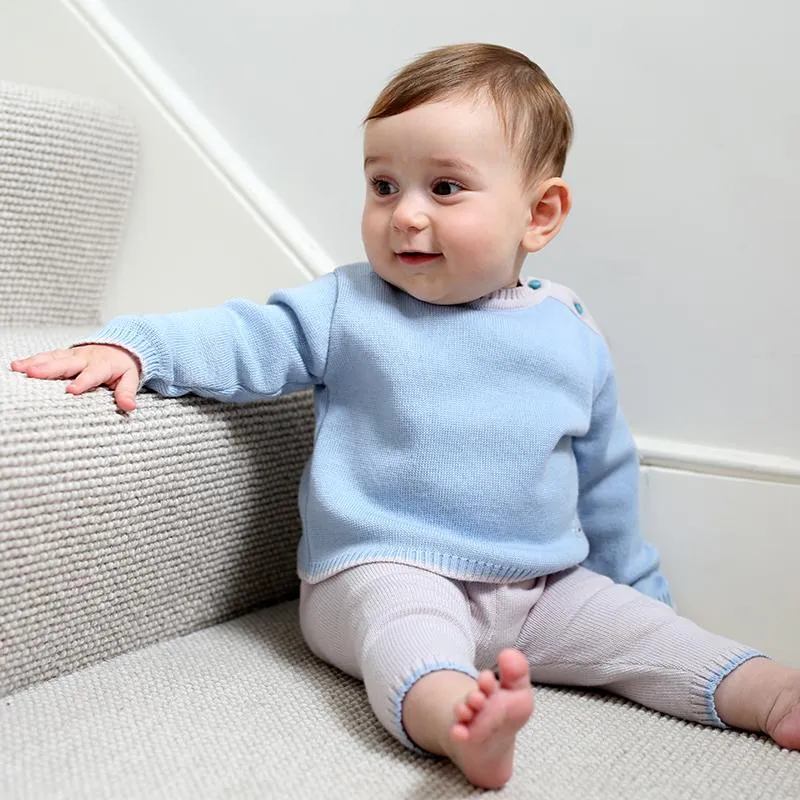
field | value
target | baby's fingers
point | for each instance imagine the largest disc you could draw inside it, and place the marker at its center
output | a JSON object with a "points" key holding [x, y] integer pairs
{"points": [[93, 376], [53, 365], [125, 390]]}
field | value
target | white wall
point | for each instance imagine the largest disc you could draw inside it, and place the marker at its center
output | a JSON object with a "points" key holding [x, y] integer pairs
{"points": [[685, 167], [191, 242]]}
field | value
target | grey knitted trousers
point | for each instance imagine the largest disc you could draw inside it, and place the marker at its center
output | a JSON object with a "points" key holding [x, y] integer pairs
{"points": [[390, 624]]}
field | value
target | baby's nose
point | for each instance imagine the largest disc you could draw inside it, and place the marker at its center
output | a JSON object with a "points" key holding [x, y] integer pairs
{"points": [[409, 214]]}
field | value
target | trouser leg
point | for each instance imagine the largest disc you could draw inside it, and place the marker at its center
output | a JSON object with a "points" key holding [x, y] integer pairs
{"points": [[586, 630], [389, 624]]}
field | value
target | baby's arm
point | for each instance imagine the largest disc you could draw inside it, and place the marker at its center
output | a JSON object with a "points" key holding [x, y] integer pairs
{"points": [[608, 500], [236, 352]]}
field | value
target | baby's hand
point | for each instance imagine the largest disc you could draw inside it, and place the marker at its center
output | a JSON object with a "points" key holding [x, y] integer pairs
{"points": [[94, 365]]}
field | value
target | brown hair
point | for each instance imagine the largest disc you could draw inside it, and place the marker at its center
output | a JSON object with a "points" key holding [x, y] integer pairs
{"points": [[534, 115]]}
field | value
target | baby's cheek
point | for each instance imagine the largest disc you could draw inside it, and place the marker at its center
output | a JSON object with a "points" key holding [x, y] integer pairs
{"points": [[479, 248], [485, 252], [371, 232], [472, 233]]}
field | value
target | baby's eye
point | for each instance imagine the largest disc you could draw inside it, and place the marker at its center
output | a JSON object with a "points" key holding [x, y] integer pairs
{"points": [[446, 188], [382, 187]]}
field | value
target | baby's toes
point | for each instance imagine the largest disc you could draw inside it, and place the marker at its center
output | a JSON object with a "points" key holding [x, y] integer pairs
{"points": [[487, 682], [476, 701], [459, 733], [463, 714]]}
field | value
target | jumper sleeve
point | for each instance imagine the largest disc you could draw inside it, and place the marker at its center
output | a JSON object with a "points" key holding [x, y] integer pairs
{"points": [[236, 352], [608, 500]]}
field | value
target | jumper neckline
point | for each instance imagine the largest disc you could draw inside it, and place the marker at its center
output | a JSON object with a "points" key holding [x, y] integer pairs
{"points": [[520, 296]]}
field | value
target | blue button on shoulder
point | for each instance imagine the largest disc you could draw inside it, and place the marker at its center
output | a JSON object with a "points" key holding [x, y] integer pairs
{"points": [[579, 308], [535, 284]]}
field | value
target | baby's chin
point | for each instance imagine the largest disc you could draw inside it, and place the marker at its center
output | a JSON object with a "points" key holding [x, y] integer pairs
{"points": [[431, 294], [432, 298], [439, 301]]}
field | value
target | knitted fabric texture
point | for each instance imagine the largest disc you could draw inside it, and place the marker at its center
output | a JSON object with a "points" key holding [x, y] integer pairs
{"points": [[481, 441], [391, 624]]}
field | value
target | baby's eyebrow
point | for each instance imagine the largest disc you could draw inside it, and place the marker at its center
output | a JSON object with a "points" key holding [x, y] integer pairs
{"points": [[453, 163], [442, 163]]}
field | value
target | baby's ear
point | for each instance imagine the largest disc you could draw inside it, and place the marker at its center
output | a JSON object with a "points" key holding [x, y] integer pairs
{"points": [[551, 203]]}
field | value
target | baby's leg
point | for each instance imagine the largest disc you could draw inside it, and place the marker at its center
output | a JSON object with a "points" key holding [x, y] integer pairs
{"points": [[586, 630], [408, 634]]}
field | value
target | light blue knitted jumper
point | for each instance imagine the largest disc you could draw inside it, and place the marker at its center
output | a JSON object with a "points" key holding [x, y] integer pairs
{"points": [[482, 441]]}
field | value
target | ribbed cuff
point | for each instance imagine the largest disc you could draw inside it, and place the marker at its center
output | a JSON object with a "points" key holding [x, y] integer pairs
{"points": [[131, 352], [718, 676], [133, 334], [406, 688]]}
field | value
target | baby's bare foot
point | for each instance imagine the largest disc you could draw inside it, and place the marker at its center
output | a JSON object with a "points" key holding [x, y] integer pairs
{"points": [[783, 720], [761, 695], [483, 737]]}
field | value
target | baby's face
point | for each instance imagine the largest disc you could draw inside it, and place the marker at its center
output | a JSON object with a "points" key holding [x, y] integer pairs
{"points": [[446, 209]]}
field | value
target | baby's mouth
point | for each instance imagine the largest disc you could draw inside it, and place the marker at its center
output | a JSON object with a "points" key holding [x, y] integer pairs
{"points": [[416, 258]]}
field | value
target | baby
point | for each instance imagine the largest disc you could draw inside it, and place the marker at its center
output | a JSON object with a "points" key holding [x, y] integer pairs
{"points": [[470, 511]]}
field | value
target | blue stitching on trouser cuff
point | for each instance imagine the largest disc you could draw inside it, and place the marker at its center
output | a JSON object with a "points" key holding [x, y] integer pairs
{"points": [[406, 688], [716, 679]]}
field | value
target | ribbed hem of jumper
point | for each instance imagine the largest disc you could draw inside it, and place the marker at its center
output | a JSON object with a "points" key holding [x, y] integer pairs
{"points": [[717, 677], [406, 688], [449, 566]]}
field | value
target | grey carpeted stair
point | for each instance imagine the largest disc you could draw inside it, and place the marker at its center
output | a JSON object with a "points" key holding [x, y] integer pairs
{"points": [[243, 710]]}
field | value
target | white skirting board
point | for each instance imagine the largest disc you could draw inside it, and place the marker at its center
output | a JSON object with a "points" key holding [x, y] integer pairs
{"points": [[730, 548]]}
